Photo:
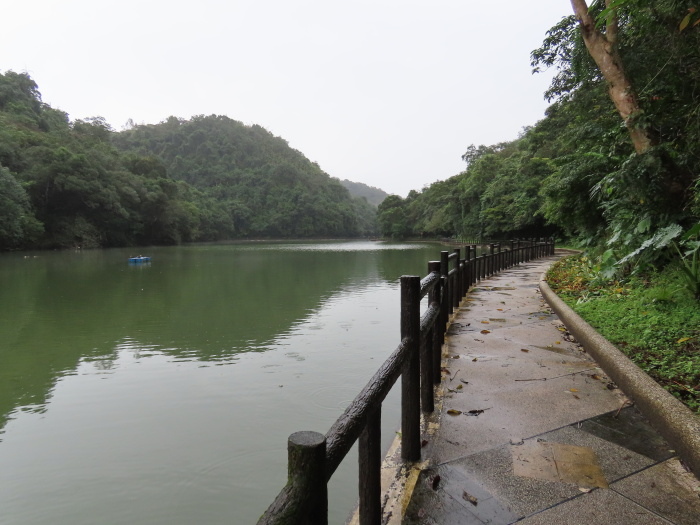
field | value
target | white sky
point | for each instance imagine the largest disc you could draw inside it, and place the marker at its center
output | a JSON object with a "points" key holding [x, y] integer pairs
{"points": [[386, 92]]}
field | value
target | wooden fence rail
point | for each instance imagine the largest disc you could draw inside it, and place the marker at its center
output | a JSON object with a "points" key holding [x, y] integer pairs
{"points": [[313, 457]]}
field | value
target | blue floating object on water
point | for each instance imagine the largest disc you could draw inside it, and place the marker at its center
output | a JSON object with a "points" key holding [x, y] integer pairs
{"points": [[139, 259]]}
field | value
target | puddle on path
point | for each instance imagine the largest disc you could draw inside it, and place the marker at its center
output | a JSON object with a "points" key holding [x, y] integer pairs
{"points": [[629, 429], [558, 462]]}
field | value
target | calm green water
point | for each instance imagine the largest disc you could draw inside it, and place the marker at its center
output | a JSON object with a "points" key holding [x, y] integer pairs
{"points": [[165, 393]]}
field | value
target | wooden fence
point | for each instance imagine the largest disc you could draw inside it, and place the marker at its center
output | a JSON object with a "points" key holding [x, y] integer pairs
{"points": [[313, 457]]}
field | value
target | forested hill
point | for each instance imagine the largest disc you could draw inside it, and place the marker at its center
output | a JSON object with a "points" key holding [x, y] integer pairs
{"points": [[255, 183], [374, 196], [69, 184], [626, 181]]}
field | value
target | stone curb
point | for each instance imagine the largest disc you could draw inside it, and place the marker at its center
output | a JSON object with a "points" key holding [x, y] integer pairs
{"points": [[671, 418]]}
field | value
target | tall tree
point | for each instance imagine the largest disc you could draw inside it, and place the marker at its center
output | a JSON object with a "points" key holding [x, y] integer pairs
{"points": [[603, 49]]}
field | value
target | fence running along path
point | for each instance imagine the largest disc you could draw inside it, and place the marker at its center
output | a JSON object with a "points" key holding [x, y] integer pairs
{"points": [[313, 457]]}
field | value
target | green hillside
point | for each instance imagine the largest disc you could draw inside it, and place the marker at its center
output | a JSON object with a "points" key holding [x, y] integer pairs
{"points": [[254, 184], [374, 196], [80, 184]]}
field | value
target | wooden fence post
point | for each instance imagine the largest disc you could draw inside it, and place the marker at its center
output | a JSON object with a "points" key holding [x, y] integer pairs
{"points": [[410, 378], [438, 328], [457, 276], [447, 293], [370, 465]]}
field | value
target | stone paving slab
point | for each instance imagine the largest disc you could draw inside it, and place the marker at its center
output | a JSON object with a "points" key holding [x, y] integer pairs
{"points": [[531, 390]]}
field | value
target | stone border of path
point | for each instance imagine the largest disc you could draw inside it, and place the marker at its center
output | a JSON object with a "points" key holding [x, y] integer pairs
{"points": [[671, 418]]}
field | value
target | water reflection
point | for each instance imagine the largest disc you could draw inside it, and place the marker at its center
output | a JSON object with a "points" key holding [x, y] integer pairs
{"points": [[136, 360]]}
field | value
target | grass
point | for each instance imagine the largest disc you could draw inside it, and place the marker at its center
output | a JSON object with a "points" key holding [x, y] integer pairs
{"points": [[653, 319]]}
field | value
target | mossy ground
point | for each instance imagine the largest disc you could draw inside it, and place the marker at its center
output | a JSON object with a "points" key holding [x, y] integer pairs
{"points": [[653, 319]]}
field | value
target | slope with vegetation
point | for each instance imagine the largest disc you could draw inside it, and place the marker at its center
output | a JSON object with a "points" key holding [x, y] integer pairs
{"points": [[65, 184], [581, 172], [251, 182], [614, 168], [374, 196]]}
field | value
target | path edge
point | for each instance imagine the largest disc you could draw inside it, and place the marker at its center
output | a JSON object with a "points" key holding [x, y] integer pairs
{"points": [[671, 418]]}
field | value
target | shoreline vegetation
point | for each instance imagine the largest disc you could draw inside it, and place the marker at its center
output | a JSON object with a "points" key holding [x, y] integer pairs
{"points": [[651, 317], [68, 184]]}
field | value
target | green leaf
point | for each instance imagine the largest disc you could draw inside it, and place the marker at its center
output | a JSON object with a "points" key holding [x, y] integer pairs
{"points": [[644, 225], [692, 232], [685, 22]]}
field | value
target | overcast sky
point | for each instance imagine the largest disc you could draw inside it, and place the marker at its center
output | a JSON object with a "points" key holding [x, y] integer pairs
{"points": [[386, 92]]}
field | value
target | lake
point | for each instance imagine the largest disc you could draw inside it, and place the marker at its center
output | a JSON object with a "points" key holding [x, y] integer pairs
{"points": [[164, 393]]}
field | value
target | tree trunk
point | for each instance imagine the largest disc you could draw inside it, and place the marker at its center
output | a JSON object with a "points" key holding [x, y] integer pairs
{"points": [[602, 48]]}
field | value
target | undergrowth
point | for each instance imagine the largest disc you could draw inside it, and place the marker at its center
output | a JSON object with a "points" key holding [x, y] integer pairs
{"points": [[652, 318]]}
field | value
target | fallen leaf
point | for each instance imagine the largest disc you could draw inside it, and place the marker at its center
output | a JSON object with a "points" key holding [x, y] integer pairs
{"points": [[524, 350], [468, 497], [573, 389], [454, 412], [557, 342], [486, 331], [459, 387], [576, 396], [445, 370], [484, 322], [499, 309], [594, 376], [474, 359], [465, 382], [475, 412], [683, 339], [424, 443]]}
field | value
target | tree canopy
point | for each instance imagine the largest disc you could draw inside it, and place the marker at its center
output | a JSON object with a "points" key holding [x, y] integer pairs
{"points": [[613, 168], [69, 184], [580, 172]]}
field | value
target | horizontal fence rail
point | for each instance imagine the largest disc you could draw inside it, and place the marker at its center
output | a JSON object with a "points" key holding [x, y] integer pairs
{"points": [[314, 457]]}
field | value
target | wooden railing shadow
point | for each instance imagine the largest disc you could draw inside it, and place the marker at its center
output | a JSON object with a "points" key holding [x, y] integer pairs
{"points": [[314, 457]]}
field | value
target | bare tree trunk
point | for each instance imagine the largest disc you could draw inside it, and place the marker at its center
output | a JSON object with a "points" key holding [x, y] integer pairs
{"points": [[602, 48]]}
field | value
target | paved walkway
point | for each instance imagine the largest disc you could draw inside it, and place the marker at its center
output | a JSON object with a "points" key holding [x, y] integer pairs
{"points": [[531, 430]]}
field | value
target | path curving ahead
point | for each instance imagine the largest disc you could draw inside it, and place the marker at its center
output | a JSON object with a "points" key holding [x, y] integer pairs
{"points": [[531, 430]]}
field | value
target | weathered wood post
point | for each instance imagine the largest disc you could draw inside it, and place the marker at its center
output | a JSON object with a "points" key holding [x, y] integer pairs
{"points": [[438, 328], [447, 293], [370, 469], [491, 250], [410, 377], [472, 266], [457, 282], [304, 500]]}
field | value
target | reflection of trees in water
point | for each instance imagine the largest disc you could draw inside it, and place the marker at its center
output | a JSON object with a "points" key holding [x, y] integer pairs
{"points": [[200, 302]]}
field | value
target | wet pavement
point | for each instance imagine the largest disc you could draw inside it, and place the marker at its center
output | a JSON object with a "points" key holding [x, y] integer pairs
{"points": [[529, 429]]}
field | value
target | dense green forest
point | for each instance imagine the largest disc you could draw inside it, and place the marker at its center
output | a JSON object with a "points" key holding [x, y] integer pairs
{"points": [[68, 184], [591, 171], [614, 164], [374, 196]]}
